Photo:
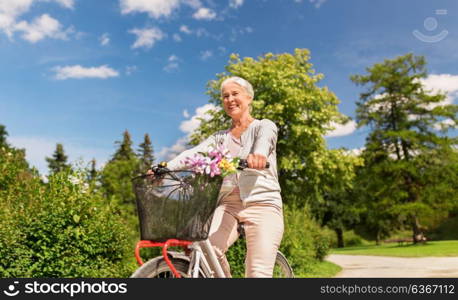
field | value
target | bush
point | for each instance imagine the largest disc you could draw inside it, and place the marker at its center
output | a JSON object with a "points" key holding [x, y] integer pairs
{"points": [[58, 229], [447, 230], [350, 239], [304, 243]]}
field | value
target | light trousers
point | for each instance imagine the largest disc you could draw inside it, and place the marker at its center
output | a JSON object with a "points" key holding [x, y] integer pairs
{"points": [[263, 223]]}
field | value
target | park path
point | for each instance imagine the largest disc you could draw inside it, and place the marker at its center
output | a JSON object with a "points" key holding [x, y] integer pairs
{"points": [[364, 266]]}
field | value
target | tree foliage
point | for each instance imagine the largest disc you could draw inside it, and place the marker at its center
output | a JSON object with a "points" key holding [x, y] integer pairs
{"points": [[146, 154], [404, 149], [3, 136], [58, 161], [124, 151], [116, 180], [60, 228]]}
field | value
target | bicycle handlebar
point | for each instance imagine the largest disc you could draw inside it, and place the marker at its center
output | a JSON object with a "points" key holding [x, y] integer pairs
{"points": [[162, 169]]}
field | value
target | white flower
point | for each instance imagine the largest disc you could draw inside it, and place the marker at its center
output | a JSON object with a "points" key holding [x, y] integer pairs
{"points": [[74, 180], [85, 188]]}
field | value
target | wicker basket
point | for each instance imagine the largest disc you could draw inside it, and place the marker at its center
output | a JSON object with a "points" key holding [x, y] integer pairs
{"points": [[178, 206]]}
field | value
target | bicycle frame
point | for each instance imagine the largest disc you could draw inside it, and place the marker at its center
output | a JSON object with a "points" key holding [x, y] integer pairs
{"points": [[202, 256]]}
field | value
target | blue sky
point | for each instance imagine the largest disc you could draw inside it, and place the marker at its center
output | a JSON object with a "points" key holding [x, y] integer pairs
{"points": [[80, 72]]}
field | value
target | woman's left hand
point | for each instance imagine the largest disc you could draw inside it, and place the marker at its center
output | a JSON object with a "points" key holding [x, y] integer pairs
{"points": [[256, 161]]}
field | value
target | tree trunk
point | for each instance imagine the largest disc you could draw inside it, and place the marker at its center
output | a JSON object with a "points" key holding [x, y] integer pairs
{"points": [[340, 239], [418, 236], [377, 238]]}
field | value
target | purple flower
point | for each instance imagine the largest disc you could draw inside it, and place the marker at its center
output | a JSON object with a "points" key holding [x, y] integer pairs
{"points": [[208, 163]]}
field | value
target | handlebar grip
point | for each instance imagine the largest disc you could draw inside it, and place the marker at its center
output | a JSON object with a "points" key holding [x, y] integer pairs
{"points": [[160, 169], [243, 164]]}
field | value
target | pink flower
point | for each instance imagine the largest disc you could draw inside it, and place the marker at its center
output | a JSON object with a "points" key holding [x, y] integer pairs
{"points": [[208, 163]]}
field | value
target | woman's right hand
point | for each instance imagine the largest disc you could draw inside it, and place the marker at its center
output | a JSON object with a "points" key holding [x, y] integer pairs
{"points": [[150, 175]]}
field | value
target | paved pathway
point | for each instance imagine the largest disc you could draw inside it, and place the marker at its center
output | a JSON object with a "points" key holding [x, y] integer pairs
{"points": [[364, 266]]}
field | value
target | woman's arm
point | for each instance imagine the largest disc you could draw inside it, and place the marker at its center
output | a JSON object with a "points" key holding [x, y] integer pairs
{"points": [[266, 139]]}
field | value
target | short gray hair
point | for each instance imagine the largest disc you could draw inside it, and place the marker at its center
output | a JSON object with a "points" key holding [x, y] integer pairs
{"points": [[240, 81]]}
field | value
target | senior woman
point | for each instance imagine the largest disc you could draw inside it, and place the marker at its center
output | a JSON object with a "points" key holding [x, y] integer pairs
{"points": [[251, 196]]}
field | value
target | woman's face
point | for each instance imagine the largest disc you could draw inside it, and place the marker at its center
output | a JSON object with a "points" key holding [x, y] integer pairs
{"points": [[236, 101]]}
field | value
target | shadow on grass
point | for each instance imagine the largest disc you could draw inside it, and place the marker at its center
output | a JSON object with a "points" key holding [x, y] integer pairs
{"points": [[384, 246]]}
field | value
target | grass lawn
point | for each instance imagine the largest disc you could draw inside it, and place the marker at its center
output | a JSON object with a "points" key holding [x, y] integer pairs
{"points": [[434, 248], [323, 269]]}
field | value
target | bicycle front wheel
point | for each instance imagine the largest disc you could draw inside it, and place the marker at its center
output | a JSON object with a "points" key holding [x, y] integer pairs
{"points": [[158, 268], [282, 269]]}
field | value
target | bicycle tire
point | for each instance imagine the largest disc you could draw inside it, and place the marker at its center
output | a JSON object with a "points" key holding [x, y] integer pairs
{"points": [[158, 268], [282, 268]]}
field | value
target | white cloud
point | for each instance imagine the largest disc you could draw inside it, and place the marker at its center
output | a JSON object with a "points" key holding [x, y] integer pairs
{"points": [[66, 3], [173, 64], [154, 8], [104, 39], [41, 27], [202, 32], [204, 55], [185, 114], [342, 130], [131, 69], [165, 8], [187, 126], [237, 31], [168, 153], [193, 123], [79, 72], [10, 11], [355, 151], [37, 148], [147, 37], [235, 3], [445, 124], [185, 29], [204, 13], [199, 32], [316, 3], [196, 4], [444, 83]]}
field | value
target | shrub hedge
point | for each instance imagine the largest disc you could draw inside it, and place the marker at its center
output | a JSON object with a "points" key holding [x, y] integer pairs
{"points": [[57, 229]]}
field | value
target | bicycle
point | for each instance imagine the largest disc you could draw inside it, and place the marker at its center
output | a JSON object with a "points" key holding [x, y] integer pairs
{"points": [[193, 202]]}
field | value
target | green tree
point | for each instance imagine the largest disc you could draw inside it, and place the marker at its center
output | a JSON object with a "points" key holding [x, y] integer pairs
{"points": [[93, 173], [58, 161], [287, 92], [374, 190], [125, 151], [338, 210], [146, 154], [403, 141], [116, 176], [3, 135]]}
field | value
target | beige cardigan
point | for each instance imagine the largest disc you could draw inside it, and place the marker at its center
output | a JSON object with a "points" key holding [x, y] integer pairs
{"points": [[255, 185]]}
